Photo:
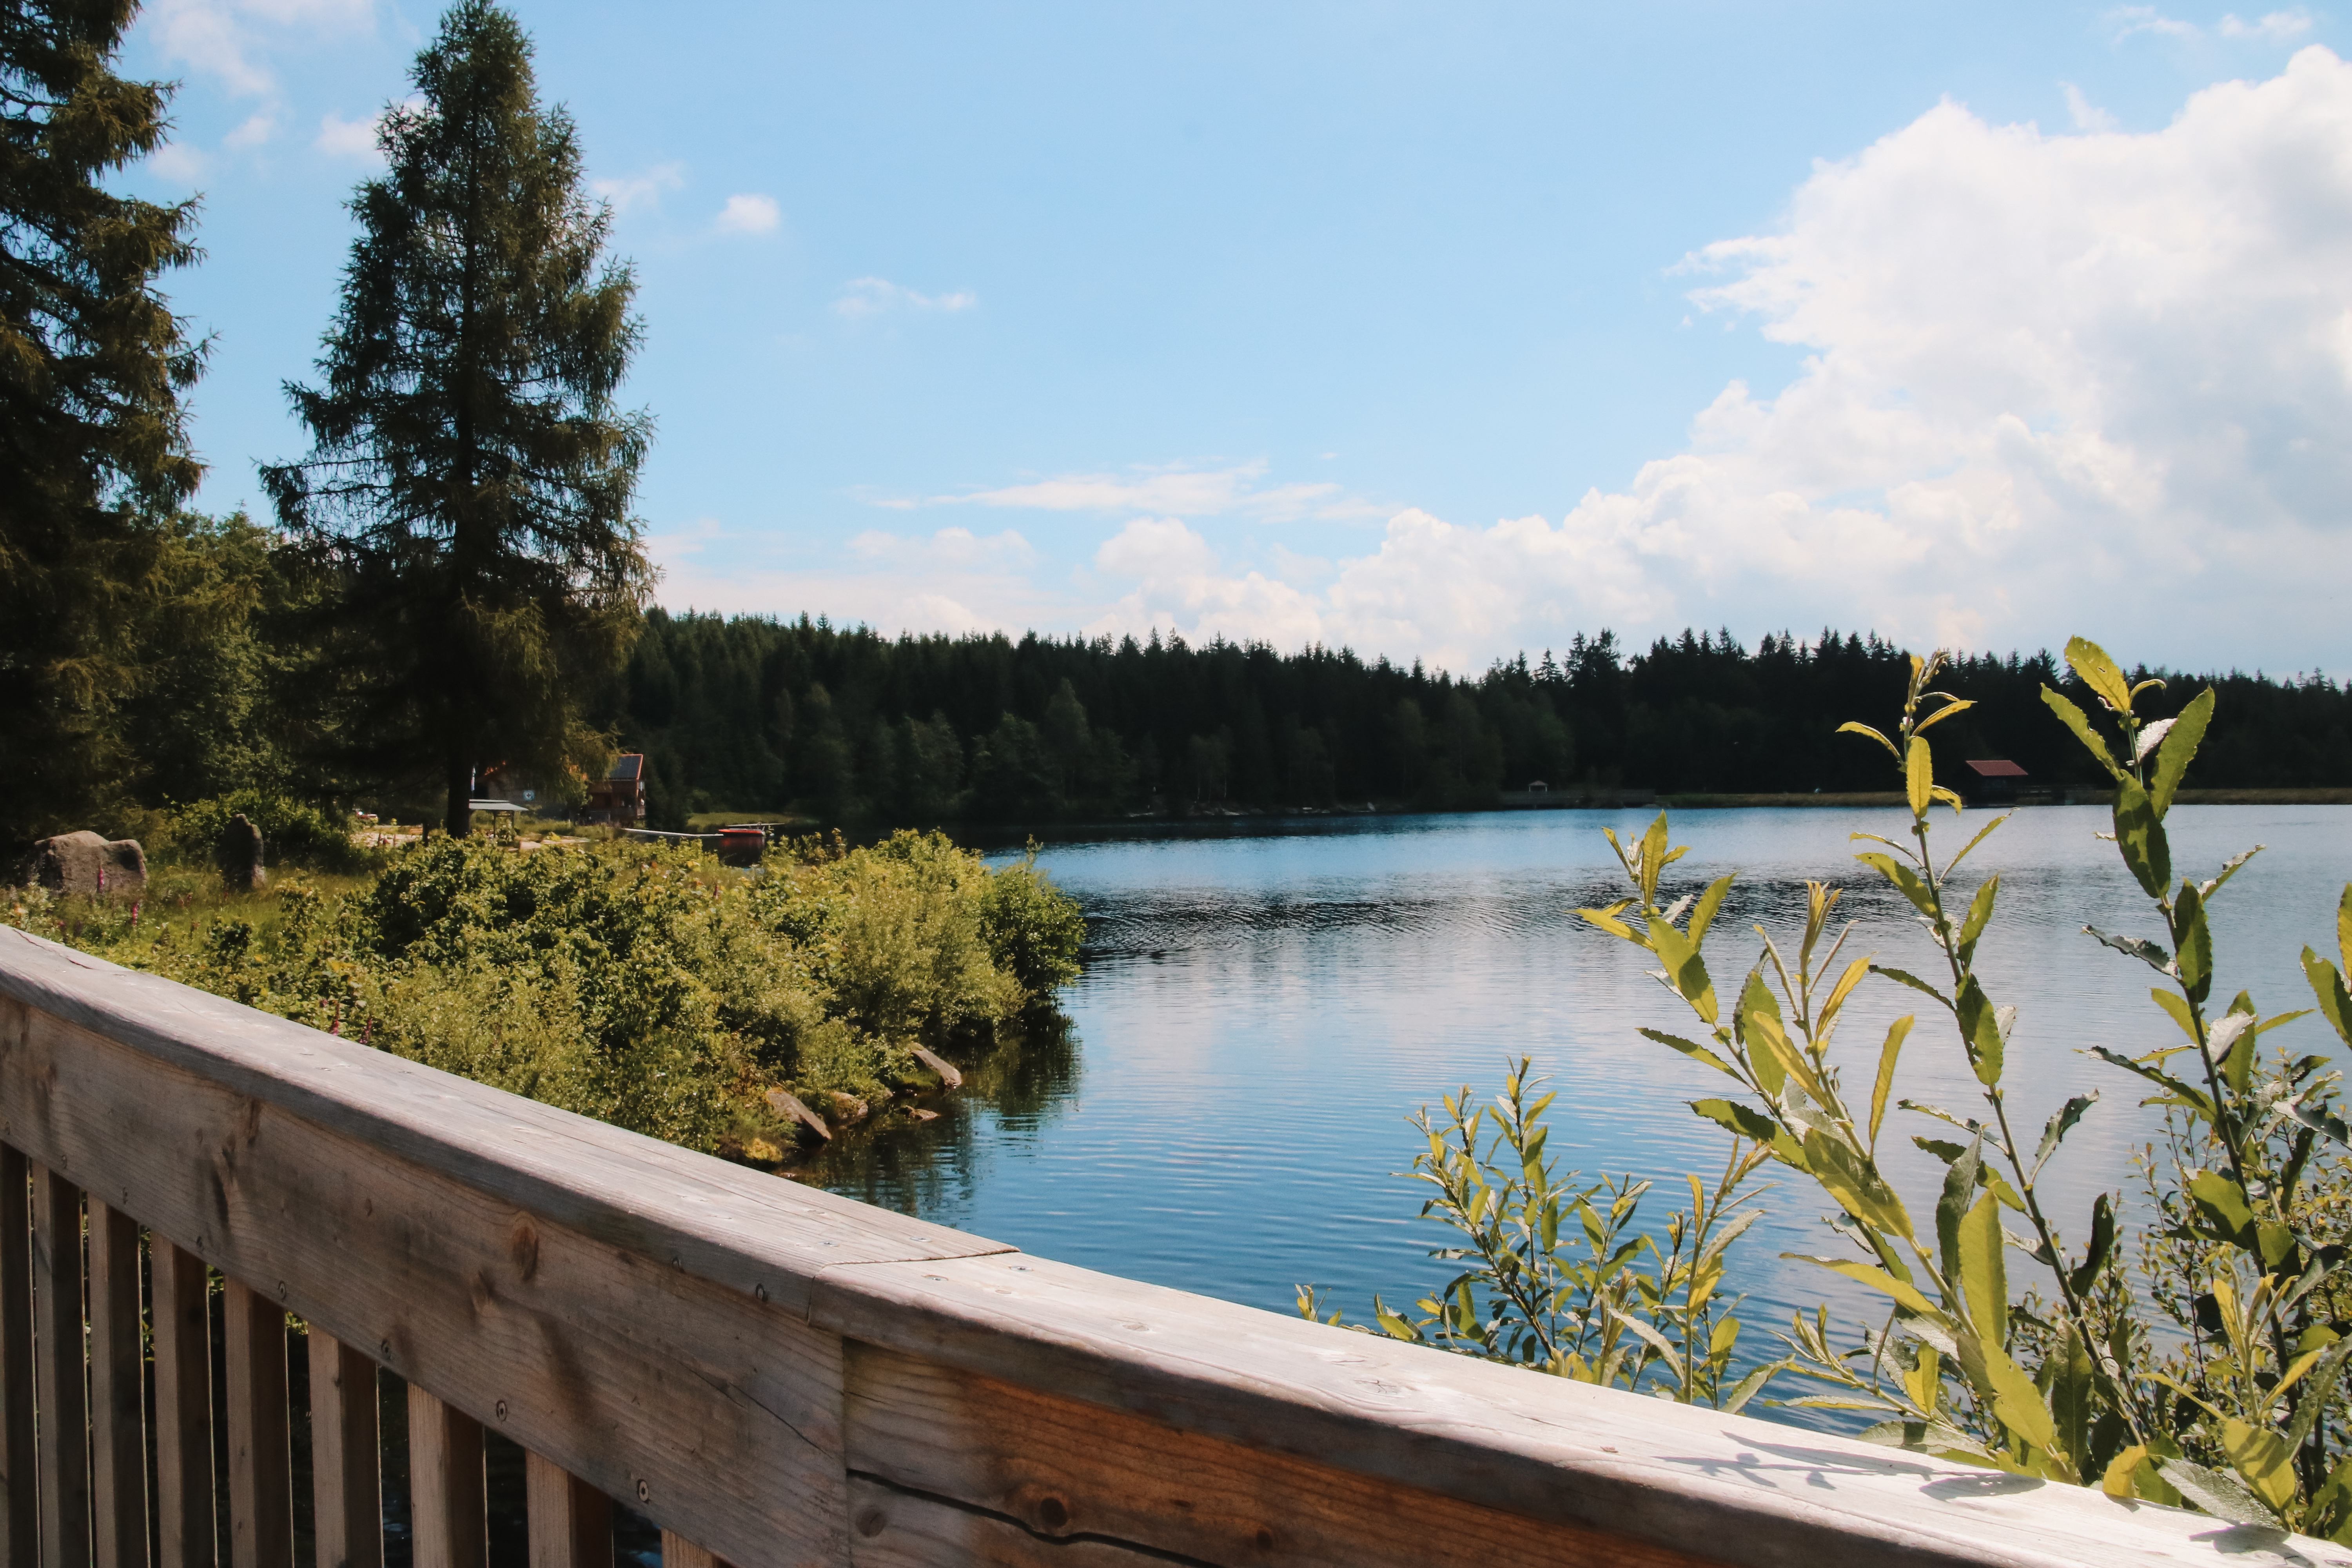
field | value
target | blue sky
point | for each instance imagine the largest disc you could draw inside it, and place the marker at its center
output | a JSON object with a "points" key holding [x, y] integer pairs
{"points": [[1439, 331]]}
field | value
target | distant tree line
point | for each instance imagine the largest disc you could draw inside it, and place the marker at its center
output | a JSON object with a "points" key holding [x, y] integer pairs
{"points": [[748, 713]]}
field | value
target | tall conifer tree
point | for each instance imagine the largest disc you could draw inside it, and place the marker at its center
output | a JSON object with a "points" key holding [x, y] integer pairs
{"points": [[93, 446], [471, 479]]}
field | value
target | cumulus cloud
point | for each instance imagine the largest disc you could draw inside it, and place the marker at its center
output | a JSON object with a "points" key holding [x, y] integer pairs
{"points": [[628, 193], [342, 137], [953, 581], [2086, 115], [2051, 383], [748, 215], [228, 40], [872, 296]]}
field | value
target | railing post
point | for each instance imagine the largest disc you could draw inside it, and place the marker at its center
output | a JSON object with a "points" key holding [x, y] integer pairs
{"points": [[19, 1470], [182, 1315], [571, 1521], [58, 1371], [118, 1396], [260, 1486], [445, 1484], [349, 1512]]}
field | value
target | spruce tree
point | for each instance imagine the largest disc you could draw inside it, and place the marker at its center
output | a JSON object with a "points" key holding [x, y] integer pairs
{"points": [[470, 479], [93, 445]]}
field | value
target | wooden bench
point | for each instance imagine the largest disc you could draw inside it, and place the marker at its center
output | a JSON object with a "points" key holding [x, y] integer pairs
{"points": [[775, 1375]]}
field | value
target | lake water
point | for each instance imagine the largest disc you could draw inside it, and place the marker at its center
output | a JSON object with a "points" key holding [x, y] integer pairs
{"points": [[1264, 1006]]}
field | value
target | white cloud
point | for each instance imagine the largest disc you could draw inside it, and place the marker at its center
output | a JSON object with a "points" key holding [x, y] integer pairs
{"points": [[2128, 20], [631, 191], [748, 215], [2052, 383], [872, 296], [1180, 489], [342, 137], [227, 39], [2086, 115], [2277, 27], [950, 547], [257, 130], [178, 162]]}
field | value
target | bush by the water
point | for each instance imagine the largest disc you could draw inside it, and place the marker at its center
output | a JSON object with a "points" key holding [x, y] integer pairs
{"points": [[642, 985]]}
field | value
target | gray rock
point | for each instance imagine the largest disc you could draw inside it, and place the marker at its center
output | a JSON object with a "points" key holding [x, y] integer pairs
{"points": [[240, 856], [84, 864]]}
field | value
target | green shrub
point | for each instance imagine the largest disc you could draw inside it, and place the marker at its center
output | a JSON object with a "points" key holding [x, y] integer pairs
{"points": [[293, 832], [2201, 1360], [638, 983]]}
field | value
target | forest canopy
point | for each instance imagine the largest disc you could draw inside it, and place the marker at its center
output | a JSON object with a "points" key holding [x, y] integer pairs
{"points": [[750, 713]]}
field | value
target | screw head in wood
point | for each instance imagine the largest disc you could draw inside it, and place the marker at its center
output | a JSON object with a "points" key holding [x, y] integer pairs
{"points": [[384, 1349], [502, 1409], [644, 1491]]}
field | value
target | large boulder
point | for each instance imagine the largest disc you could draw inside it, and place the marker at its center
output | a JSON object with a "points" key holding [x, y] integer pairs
{"points": [[84, 864]]}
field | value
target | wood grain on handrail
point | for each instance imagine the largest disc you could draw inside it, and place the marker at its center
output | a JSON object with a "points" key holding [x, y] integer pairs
{"points": [[780, 1376]]}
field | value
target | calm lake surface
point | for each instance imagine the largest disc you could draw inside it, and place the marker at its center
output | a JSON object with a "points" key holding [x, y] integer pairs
{"points": [[1263, 1007]]}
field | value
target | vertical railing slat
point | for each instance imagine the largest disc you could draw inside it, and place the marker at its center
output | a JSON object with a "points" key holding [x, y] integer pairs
{"points": [[64, 1416], [118, 1396], [677, 1551], [260, 1484], [445, 1484], [184, 1406], [571, 1521], [350, 1513], [19, 1469]]}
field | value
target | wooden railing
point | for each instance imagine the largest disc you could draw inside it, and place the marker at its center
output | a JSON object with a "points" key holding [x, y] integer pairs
{"points": [[771, 1374]]}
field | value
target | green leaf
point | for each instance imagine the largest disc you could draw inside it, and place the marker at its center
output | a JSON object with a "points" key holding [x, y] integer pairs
{"points": [[1606, 918], [1692, 1048], [1920, 777], [2264, 1462], [1851, 727], [2224, 1203], [2016, 1402], [2073, 718], [1982, 834], [2174, 1006], [1877, 1279], [2195, 1098], [1895, 1034], [2328, 985], [2058, 1127], [1952, 1206], [1984, 1277], [2094, 669], [2322, 1122], [1708, 903], [2193, 945], [1750, 1124], [2147, 951], [2179, 744], [1747, 1388], [2102, 1244], [1904, 877], [1979, 916], [2140, 839], [2221, 1496], [1848, 1177], [1904, 977], [1685, 970], [1979, 1032]]}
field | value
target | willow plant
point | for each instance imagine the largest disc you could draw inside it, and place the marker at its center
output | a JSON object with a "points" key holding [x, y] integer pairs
{"points": [[2072, 1384], [1557, 1274]]}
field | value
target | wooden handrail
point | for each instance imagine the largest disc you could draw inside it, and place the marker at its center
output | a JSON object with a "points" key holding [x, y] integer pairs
{"points": [[776, 1376]]}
